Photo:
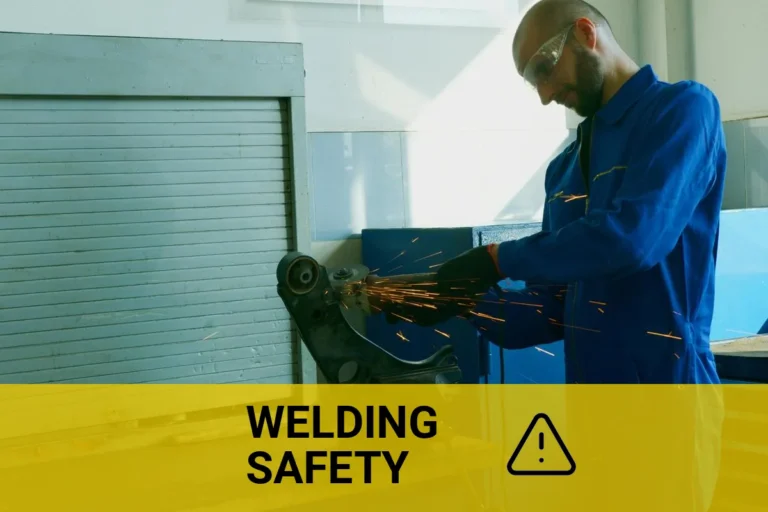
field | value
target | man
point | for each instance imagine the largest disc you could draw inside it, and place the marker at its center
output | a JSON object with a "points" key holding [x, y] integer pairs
{"points": [[624, 267]]}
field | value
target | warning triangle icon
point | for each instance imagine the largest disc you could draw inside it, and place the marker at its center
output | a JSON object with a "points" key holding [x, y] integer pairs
{"points": [[541, 451]]}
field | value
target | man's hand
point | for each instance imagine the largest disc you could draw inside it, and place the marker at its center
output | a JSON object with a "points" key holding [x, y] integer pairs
{"points": [[470, 273], [452, 294]]}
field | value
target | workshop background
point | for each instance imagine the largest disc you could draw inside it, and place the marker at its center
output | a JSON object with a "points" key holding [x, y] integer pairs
{"points": [[414, 118]]}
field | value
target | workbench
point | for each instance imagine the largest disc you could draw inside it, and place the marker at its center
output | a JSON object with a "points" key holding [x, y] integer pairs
{"points": [[742, 359]]}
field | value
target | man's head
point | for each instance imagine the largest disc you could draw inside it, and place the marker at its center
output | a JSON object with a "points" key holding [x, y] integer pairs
{"points": [[561, 49]]}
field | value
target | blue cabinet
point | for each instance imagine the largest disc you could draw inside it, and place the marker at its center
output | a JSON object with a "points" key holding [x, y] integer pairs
{"points": [[415, 250]]}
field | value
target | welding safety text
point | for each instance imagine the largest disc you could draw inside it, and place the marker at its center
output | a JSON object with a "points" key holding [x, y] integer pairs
{"points": [[337, 466]]}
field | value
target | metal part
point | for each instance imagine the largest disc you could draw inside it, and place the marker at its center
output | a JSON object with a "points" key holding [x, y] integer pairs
{"points": [[315, 296]]}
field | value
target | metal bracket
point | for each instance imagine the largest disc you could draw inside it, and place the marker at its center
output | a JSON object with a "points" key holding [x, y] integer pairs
{"points": [[315, 296]]}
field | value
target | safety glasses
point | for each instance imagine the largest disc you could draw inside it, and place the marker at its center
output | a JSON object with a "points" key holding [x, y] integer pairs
{"points": [[541, 65]]}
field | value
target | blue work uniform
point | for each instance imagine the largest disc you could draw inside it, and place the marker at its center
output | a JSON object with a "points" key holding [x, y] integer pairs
{"points": [[623, 270]]}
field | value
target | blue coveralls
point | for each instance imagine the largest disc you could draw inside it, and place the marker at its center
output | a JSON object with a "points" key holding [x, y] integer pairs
{"points": [[624, 266]]}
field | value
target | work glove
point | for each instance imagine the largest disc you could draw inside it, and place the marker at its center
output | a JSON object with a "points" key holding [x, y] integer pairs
{"points": [[459, 283], [470, 273]]}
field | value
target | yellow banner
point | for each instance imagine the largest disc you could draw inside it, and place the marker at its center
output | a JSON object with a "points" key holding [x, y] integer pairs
{"points": [[379, 447]]}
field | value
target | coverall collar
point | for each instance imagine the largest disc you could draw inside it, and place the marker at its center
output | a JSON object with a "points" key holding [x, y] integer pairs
{"points": [[628, 95]]}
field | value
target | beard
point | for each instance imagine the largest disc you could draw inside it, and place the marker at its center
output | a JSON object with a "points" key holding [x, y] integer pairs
{"points": [[590, 77]]}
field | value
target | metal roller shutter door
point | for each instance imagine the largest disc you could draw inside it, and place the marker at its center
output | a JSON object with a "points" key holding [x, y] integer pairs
{"points": [[140, 239]]}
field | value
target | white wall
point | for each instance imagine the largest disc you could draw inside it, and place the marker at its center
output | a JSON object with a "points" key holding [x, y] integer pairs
{"points": [[472, 136], [359, 76], [716, 42], [729, 53], [719, 43], [464, 119]]}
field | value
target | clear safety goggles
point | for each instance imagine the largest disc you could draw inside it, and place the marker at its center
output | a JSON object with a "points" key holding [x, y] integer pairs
{"points": [[541, 65]]}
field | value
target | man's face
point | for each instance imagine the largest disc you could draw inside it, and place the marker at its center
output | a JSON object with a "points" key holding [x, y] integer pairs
{"points": [[564, 71]]}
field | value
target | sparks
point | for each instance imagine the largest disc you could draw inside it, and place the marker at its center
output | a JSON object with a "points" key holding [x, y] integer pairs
{"points": [[542, 350], [555, 322], [489, 317], [428, 256], [527, 304], [393, 259], [665, 335], [402, 317], [443, 333]]}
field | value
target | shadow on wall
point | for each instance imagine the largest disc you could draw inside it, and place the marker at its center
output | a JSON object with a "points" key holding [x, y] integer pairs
{"points": [[414, 119], [385, 66], [529, 200], [396, 180]]}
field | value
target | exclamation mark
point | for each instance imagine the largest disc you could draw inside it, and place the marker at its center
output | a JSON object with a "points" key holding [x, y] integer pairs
{"points": [[541, 444]]}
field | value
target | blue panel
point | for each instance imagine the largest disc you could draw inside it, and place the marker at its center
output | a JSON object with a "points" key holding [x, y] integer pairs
{"points": [[382, 252], [480, 361], [741, 288], [534, 365]]}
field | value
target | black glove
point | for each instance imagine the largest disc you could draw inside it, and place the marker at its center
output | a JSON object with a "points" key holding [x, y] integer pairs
{"points": [[468, 274], [458, 283]]}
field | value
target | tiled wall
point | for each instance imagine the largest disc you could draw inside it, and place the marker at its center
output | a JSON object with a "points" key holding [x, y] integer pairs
{"points": [[747, 182]]}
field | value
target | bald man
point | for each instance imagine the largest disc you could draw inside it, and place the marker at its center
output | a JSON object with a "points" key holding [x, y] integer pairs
{"points": [[624, 265]]}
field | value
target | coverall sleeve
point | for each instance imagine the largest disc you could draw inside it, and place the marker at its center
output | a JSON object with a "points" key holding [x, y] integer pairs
{"points": [[522, 318], [671, 171]]}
